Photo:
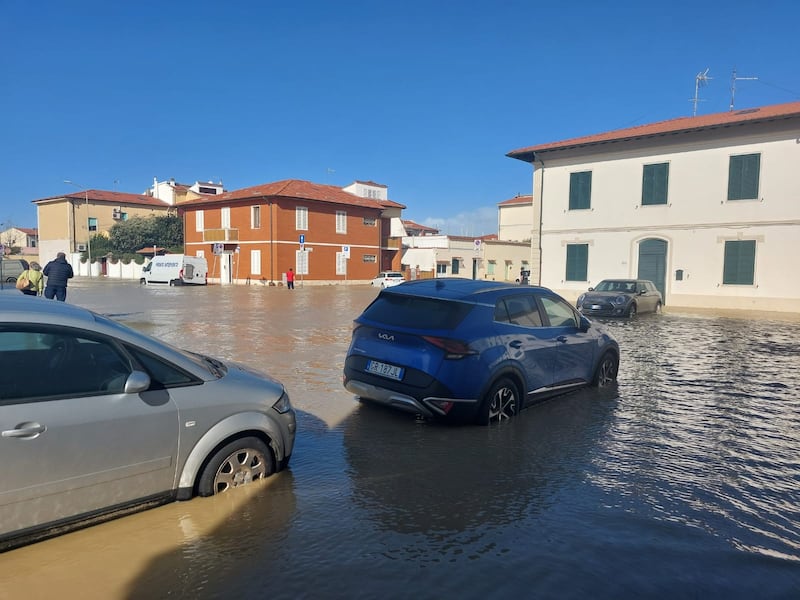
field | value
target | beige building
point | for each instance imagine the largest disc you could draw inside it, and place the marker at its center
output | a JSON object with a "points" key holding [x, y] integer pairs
{"points": [[67, 222], [706, 207]]}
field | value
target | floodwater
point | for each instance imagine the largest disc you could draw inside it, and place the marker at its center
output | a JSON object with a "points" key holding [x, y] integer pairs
{"points": [[684, 482]]}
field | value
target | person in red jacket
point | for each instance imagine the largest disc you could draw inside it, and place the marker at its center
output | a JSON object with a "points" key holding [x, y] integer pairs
{"points": [[290, 279]]}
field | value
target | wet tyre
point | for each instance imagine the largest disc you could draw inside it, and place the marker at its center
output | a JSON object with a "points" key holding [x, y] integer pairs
{"points": [[607, 369], [632, 311], [501, 403], [237, 463]]}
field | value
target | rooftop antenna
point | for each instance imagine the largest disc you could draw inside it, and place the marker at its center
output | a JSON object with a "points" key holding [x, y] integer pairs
{"points": [[734, 79], [699, 81]]}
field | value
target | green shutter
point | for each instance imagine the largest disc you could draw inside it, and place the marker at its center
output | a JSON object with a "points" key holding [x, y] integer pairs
{"points": [[740, 261], [580, 190], [743, 176], [577, 262], [655, 179]]}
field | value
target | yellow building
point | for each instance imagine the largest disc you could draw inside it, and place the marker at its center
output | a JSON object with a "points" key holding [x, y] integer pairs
{"points": [[67, 222]]}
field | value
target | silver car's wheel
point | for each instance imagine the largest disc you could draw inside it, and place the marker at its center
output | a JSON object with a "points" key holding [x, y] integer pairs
{"points": [[237, 463], [606, 373], [500, 404], [658, 308], [632, 310]]}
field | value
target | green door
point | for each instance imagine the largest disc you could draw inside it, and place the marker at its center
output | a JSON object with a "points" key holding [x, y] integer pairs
{"points": [[653, 264]]}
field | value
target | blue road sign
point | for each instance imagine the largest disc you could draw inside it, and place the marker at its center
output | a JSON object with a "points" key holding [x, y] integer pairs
{"points": [[302, 238]]}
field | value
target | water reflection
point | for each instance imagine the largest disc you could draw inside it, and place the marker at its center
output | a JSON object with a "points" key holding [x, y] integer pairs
{"points": [[449, 490]]}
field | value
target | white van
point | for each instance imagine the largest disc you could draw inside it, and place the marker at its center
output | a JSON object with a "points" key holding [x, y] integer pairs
{"points": [[176, 269]]}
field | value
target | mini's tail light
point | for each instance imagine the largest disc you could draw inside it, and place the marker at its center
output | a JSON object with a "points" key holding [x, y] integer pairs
{"points": [[454, 349]]}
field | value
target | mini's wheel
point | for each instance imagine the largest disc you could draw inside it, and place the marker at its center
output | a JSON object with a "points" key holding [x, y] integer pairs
{"points": [[632, 310], [237, 463]]}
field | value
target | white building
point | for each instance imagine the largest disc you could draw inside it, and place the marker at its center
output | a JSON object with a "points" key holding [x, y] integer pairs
{"points": [[707, 207]]}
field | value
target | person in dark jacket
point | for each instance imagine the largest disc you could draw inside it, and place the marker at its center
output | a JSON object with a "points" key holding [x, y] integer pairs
{"points": [[57, 272]]}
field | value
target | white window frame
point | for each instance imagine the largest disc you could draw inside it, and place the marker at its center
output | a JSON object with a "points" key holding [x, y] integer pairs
{"points": [[255, 217], [225, 215], [199, 221], [341, 221], [255, 261], [301, 218]]}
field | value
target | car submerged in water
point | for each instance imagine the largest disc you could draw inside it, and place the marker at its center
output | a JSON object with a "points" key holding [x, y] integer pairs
{"points": [[474, 351], [97, 420], [620, 298]]}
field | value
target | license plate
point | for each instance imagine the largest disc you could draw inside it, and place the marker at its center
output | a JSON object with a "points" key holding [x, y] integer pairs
{"points": [[595, 307], [384, 370]]}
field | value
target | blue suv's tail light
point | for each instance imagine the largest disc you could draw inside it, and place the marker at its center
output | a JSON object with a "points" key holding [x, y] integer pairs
{"points": [[454, 349]]}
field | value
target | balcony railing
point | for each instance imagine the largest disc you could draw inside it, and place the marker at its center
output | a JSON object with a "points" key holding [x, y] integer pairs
{"points": [[221, 235]]}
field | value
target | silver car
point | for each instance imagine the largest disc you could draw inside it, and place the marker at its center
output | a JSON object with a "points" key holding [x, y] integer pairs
{"points": [[97, 419]]}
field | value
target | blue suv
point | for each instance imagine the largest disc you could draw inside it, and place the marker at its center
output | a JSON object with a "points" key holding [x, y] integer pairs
{"points": [[477, 351]]}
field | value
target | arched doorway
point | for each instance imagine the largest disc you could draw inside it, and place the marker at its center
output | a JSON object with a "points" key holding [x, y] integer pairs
{"points": [[653, 263]]}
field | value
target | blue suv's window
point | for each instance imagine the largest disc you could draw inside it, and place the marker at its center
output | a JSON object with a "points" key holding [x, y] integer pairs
{"points": [[518, 310], [559, 312], [416, 313]]}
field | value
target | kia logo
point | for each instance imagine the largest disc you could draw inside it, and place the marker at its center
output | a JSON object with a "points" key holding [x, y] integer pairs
{"points": [[386, 336]]}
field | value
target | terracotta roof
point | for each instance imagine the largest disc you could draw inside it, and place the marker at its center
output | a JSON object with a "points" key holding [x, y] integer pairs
{"points": [[517, 200], [295, 188], [408, 223], [29, 230], [106, 196], [673, 126]]}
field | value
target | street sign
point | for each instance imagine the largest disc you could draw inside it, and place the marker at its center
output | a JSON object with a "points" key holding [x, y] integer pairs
{"points": [[302, 239], [219, 248], [346, 251]]}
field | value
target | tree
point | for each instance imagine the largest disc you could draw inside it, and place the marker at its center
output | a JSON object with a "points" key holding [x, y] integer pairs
{"points": [[136, 233]]}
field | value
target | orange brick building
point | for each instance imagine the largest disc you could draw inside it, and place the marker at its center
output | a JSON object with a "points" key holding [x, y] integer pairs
{"points": [[254, 234]]}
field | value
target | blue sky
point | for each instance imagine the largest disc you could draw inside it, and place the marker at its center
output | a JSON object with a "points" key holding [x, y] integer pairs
{"points": [[424, 97]]}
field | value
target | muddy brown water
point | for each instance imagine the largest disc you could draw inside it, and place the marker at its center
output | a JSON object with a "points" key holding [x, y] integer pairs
{"points": [[683, 482]]}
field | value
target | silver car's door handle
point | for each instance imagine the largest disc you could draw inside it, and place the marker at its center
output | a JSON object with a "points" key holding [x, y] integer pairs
{"points": [[27, 430]]}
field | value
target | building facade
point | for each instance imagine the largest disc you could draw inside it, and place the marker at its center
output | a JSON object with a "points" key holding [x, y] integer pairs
{"points": [[324, 233], [67, 222], [707, 207]]}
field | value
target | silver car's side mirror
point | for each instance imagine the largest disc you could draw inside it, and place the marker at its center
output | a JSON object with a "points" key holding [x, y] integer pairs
{"points": [[138, 381]]}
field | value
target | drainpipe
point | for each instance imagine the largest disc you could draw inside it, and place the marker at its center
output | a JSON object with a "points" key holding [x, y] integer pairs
{"points": [[541, 212], [271, 243]]}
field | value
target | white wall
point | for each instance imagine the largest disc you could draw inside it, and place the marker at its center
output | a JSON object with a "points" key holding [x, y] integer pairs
{"points": [[696, 221]]}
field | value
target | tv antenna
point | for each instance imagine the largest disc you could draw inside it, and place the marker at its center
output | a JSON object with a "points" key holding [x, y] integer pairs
{"points": [[734, 79], [699, 81]]}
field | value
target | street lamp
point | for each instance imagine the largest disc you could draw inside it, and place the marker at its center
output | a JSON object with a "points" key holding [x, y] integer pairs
{"points": [[88, 231]]}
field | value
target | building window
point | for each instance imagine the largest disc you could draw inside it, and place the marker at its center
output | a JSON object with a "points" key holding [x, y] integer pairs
{"points": [[740, 262], [490, 267], [441, 269], [341, 221], [255, 260], [301, 218], [743, 177], [580, 190], [226, 217], [255, 217], [92, 223], [454, 266], [577, 262], [198, 221], [369, 221], [654, 184], [369, 258]]}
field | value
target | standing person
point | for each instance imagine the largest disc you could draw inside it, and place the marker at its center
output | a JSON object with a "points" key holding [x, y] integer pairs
{"points": [[290, 279], [57, 272], [36, 279]]}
